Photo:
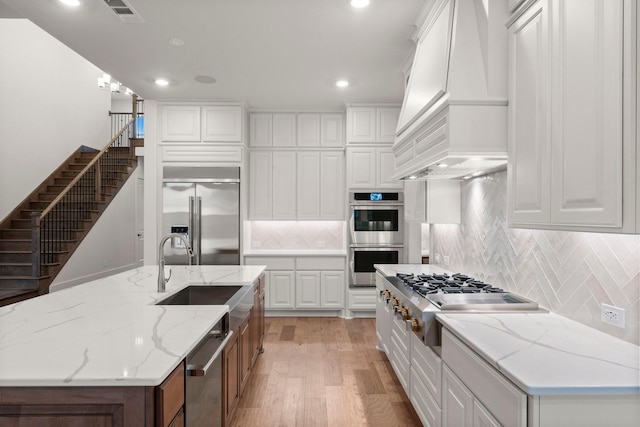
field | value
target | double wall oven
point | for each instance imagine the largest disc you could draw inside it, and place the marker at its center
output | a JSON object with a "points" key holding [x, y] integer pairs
{"points": [[376, 234]]}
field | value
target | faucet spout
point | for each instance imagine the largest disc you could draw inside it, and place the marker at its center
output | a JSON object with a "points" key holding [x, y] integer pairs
{"points": [[162, 281]]}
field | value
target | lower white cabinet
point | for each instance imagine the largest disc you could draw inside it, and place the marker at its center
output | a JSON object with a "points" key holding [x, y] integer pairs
{"points": [[362, 299], [280, 289], [423, 402], [371, 168], [303, 282], [457, 401]]}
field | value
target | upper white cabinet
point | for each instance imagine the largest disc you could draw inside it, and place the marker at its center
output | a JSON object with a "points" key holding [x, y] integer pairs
{"points": [[302, 130], [371, 168], [572, 116], [371, 124], [222, 123], [296, 185], [435, 201], [206, 123], [180, 123]]}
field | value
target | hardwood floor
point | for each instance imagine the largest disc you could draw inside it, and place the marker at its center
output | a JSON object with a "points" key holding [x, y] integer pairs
{"points": [[323, 372]]}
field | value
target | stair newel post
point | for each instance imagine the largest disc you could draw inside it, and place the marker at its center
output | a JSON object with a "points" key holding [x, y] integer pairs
{"points": [[35, 244], [134, 129]]}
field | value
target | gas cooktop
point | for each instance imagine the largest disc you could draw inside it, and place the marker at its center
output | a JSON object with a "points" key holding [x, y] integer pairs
{"points": [[460, 292]]}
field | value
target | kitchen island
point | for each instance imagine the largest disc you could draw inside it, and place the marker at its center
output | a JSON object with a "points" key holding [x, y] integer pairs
{"points": [[107, 336], [504, 368]]}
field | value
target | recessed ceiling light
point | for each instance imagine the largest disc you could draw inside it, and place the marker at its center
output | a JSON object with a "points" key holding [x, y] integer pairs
{"points": [[413, 177], [442, 165], [162, 82], [71, 2], [359, 4], [176, 42], [342, 83]]}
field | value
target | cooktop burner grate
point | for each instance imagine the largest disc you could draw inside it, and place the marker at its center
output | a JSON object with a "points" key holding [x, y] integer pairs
{"points": [[426, 284]]}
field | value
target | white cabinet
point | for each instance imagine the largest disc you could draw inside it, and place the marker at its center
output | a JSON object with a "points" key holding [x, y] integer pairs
{"points": [[362, 299], [272, 185], [180, 123], [457, 401], [308, 289], [435, 201], [332, 130], [308, 130], [332, 286], [303, 283], [304, 185], [272, 130], [572, 116], [301, 130], [308, 182], [281, 290], [221, 123], [371, 168], [371, 124], [206, 123]]}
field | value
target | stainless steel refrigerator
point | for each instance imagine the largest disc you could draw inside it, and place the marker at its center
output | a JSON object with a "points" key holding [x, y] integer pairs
{"points": [[204, 204]]}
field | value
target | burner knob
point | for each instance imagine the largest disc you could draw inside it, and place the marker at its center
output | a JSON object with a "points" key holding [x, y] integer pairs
{"points": [[416, 325]]}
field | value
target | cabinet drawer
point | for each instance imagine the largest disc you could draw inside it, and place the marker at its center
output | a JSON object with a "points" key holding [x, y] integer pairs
{"points": [[506, 402], [320, 263], [428, 367], [362, 300], [272, 263], [170, 397], [400, 363]]}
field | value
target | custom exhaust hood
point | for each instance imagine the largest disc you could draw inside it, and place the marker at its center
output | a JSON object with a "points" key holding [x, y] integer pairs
{"points": [[453, 122]]}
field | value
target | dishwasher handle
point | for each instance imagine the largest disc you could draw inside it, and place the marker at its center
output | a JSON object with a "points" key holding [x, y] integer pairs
{"points": [[201, 370]]}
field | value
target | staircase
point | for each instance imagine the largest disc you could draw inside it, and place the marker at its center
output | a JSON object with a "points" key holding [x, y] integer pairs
{"points": [[39, 236]]}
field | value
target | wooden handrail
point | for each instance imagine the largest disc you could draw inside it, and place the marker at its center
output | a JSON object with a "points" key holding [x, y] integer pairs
{"points": [[84, 170]]}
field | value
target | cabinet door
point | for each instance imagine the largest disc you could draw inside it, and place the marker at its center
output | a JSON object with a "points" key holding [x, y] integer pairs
{"points": [[308, 183], [386, 169], [260, 189], [414, 201], [361, 167], [180, 123], [482, 417], [230, 376], [457, 401], [361, 124], [284, 130], [308, 130], [443, 202], [246, 351], [332, 199], [331, 130], [332, 289], [260, 129], [284, 185], [281, 289], [586, 103], [222, 123], [529, 135], [387, 121], [308, 289]]}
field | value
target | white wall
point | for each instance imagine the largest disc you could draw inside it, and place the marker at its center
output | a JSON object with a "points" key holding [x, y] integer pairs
{"points": [[110, 247], [49, 106]]}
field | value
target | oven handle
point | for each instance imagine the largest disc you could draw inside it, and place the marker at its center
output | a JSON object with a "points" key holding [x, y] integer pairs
{"points": [[385, 246], [201, 371]]}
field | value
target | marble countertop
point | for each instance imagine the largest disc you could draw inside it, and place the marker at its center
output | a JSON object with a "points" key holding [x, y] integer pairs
{"points": [[542, 353], [109, 332], [545, 353]]}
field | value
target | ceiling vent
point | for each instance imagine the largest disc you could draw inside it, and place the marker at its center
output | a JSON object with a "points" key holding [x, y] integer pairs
{"points": [[124, 11]]}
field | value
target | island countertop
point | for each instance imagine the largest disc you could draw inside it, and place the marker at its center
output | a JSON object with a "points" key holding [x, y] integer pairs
{"points": [[109, 331]]}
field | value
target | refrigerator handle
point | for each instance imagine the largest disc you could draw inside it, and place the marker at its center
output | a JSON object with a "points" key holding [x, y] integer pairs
{"points": [[199, 219], [192, 231]]}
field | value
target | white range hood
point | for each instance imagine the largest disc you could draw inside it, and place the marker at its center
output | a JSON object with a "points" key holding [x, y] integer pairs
{"points": [[453, 122]]}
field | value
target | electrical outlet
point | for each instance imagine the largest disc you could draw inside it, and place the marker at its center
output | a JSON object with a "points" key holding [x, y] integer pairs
{"points": [[612, 315], [437, 258], [445, 260]]}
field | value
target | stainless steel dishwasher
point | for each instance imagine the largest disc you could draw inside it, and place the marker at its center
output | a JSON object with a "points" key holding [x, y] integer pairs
{"points": [[204, 377]]}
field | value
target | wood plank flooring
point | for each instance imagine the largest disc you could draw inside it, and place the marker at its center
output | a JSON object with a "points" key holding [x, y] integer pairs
{"points": [[319, 372]]}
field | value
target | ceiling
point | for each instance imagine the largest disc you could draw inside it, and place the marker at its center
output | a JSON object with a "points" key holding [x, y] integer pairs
{"points": [[273, 54]]}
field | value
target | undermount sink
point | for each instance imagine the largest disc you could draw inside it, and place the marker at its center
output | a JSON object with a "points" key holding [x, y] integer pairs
{"points": [[206, 295]]}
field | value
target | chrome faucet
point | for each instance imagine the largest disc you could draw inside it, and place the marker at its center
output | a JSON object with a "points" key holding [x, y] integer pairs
{"points": [[161, 279]]}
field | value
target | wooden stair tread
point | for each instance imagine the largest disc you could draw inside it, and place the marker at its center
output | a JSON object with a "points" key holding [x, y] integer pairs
{"points": [[9, 293]]}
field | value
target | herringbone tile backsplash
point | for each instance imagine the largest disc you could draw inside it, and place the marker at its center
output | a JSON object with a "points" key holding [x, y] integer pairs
{"points": [[568, 273]]}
